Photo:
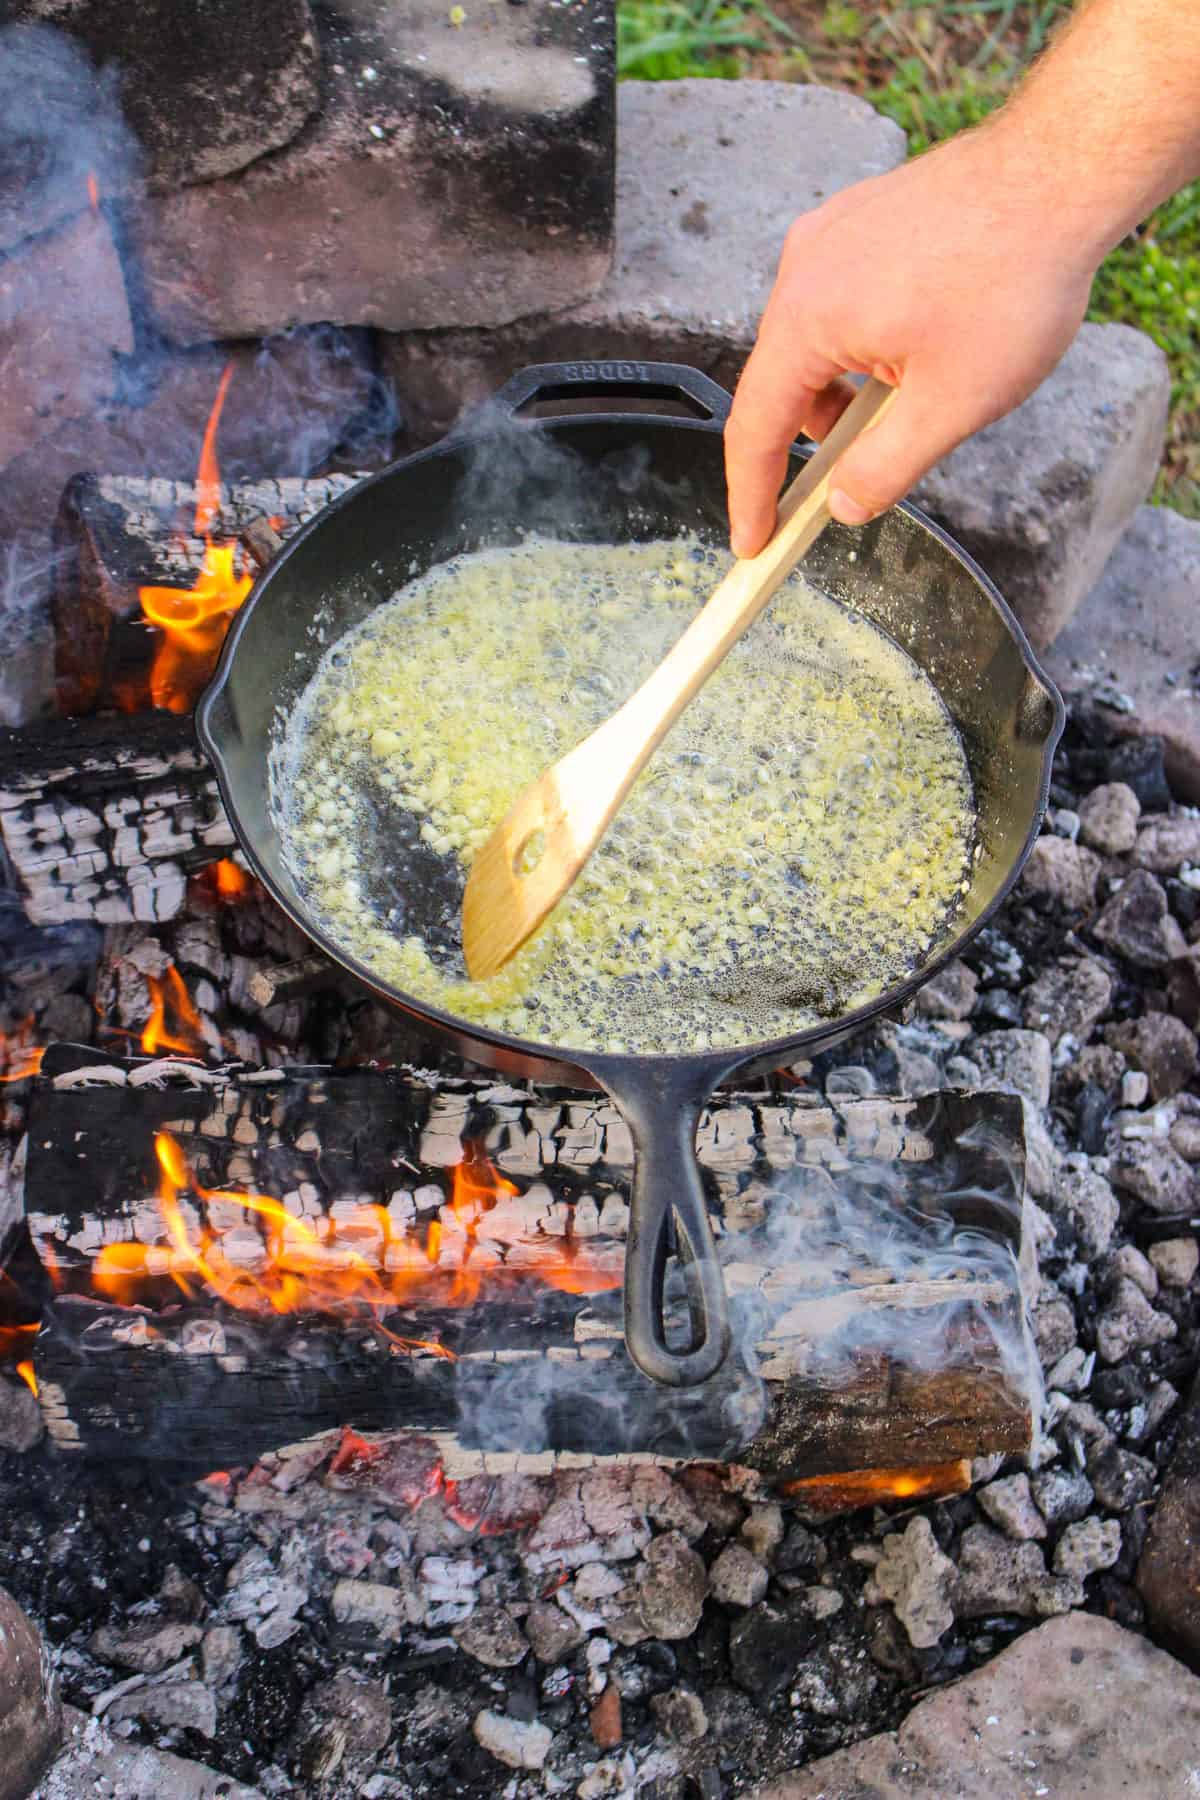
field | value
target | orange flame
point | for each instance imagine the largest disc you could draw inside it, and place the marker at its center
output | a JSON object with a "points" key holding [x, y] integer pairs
{"points": [[187, 1038], [25, 1371], [829, 1494], [232, 882], [93, 191], [20, 1057], [14, 1338], [194, 620]]}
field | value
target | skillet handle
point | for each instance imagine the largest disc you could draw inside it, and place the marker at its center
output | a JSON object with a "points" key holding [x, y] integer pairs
{"points": [[668, 1217], [583, 381]]}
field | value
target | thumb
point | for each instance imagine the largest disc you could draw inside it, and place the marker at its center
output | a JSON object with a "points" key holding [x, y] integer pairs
{"points": [[889, 458]]}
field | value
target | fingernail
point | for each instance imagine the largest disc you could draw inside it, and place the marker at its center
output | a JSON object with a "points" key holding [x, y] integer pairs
{"points": [[846, 510]]}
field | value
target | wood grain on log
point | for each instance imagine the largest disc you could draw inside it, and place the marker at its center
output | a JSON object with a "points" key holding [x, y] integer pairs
{"points": [[466, 1318]]}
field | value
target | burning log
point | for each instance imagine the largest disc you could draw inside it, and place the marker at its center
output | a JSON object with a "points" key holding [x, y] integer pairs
{"points": [[244, 1258], [117, 535]]}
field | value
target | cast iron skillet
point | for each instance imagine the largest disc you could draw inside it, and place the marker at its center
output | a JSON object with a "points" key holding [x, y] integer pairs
{"points": [[594, 472]]}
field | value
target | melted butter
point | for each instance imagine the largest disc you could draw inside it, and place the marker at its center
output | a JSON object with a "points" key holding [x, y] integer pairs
{"points": [[794, 848]]}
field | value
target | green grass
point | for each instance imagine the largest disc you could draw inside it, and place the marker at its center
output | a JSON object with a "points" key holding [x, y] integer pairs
{"points": [[937, 67]]}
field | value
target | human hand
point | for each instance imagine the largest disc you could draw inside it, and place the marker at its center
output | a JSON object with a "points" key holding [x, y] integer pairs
{"points": [[949, 278]]}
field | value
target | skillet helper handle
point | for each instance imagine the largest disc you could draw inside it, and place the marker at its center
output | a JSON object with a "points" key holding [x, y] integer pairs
{"points": [[582, 381], [668, 1216]]}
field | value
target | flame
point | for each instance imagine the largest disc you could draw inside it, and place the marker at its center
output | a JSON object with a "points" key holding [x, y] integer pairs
{"points": [[232, 882], [828, 1494], [25, 1371], [14, 1338], [194, 620], [93, 191], [187, 1039], [20, 1057]]}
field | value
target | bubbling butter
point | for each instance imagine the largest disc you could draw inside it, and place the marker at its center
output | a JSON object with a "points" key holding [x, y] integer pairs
{"points": [[797, 844]]}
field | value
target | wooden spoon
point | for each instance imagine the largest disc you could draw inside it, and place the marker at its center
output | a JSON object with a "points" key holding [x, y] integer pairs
{"points": [[536, 852]]}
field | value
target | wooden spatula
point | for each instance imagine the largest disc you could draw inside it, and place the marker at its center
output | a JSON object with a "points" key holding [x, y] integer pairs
{"points": [[535, 854]]}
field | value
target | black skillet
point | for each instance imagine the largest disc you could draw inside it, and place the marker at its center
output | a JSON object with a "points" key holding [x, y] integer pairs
{"points": [[591, 470]]}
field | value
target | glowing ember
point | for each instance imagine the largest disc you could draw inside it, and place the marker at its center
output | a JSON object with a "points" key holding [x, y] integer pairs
{"points": [[20, 1057], [194, 620], [232, 882], [25, 1371], [93, 191], [827, 1494], [184, 1036]]}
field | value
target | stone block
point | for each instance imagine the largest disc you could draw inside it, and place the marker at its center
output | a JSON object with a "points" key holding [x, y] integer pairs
{"points": [[1051, 1715], [1042, 497], [453, 176], [63, 317], [1132, 645], [709, 176], [206, 86]]}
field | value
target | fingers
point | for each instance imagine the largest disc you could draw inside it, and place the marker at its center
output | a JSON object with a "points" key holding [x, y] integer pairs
{"points": [[769, 413], [889, 459]]}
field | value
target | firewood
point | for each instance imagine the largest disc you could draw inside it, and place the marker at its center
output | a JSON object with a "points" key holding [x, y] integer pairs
{"points": [[457, 1312]]}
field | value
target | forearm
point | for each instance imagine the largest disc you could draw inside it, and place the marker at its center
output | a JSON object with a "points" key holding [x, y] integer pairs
{"points": [[1108, 122]]}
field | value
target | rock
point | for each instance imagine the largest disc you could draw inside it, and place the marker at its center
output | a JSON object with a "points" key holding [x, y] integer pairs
{"points": [[492, 1636], [185, 1705], [1061, 875], [1137, 923], [1068, 999], [604, 1719], [94, 1763], [766, 1646], [737, 1578], [1137, 630], [30, 1712], [486, 151], [1183, 987], [1168, 1574], [673, 1584], [1041, 498], [1051, 1712], [800, 1549], [342, 1717], [1175, 1261], [1130, 1262], [762, 1531], [1010, 1505], [1164, 845], [697, 166], [1162, 1046], [147, 1645], [1108, 818], [1098, 1065], [64, 320], [1151, 1170], [917, 1073], [387, 1610], [1053, 1323], [1062, 1497], [1135, 1088], [1139, 762], [918, 1580], [950, 994], [510, 1741], [21, 1426], [995, 1575], [680, 1714], [198, 104], [221, 1655], [1129, 1322], [1086, 1547], [1018, 1061], [1121, 1479], [1185, 1138], [551, 1633], [1092, 1208]]}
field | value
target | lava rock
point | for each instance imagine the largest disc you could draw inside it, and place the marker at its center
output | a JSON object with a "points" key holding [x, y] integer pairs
{"points": [[1185, 1138], [1137, 923], [762, 1532], [1092, 1112], [1129, 1322], [342, 1717], [604, 1719], [766, 1647], [1088, 1203], [1086, 1547], [918, 1579], [510, 1741], [681, 1715], [30, 1712], [1108, 818], [737, 1578], [1068, 999], [1097, 1065], [1160, 1045], [1175, 1261], [1010, 1505], [147, 1645], [1019, 1061], [800, 1549], [996, 1575], [221, 1655], [1062, 1497], [1153, 1172], [551, 1633], [1183, 987], [1061, 875], [1053, 1323], [1165, 845], [1141, 764], [950, 994], [673, 1583], [492, 1636], [1121, 1479]]}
